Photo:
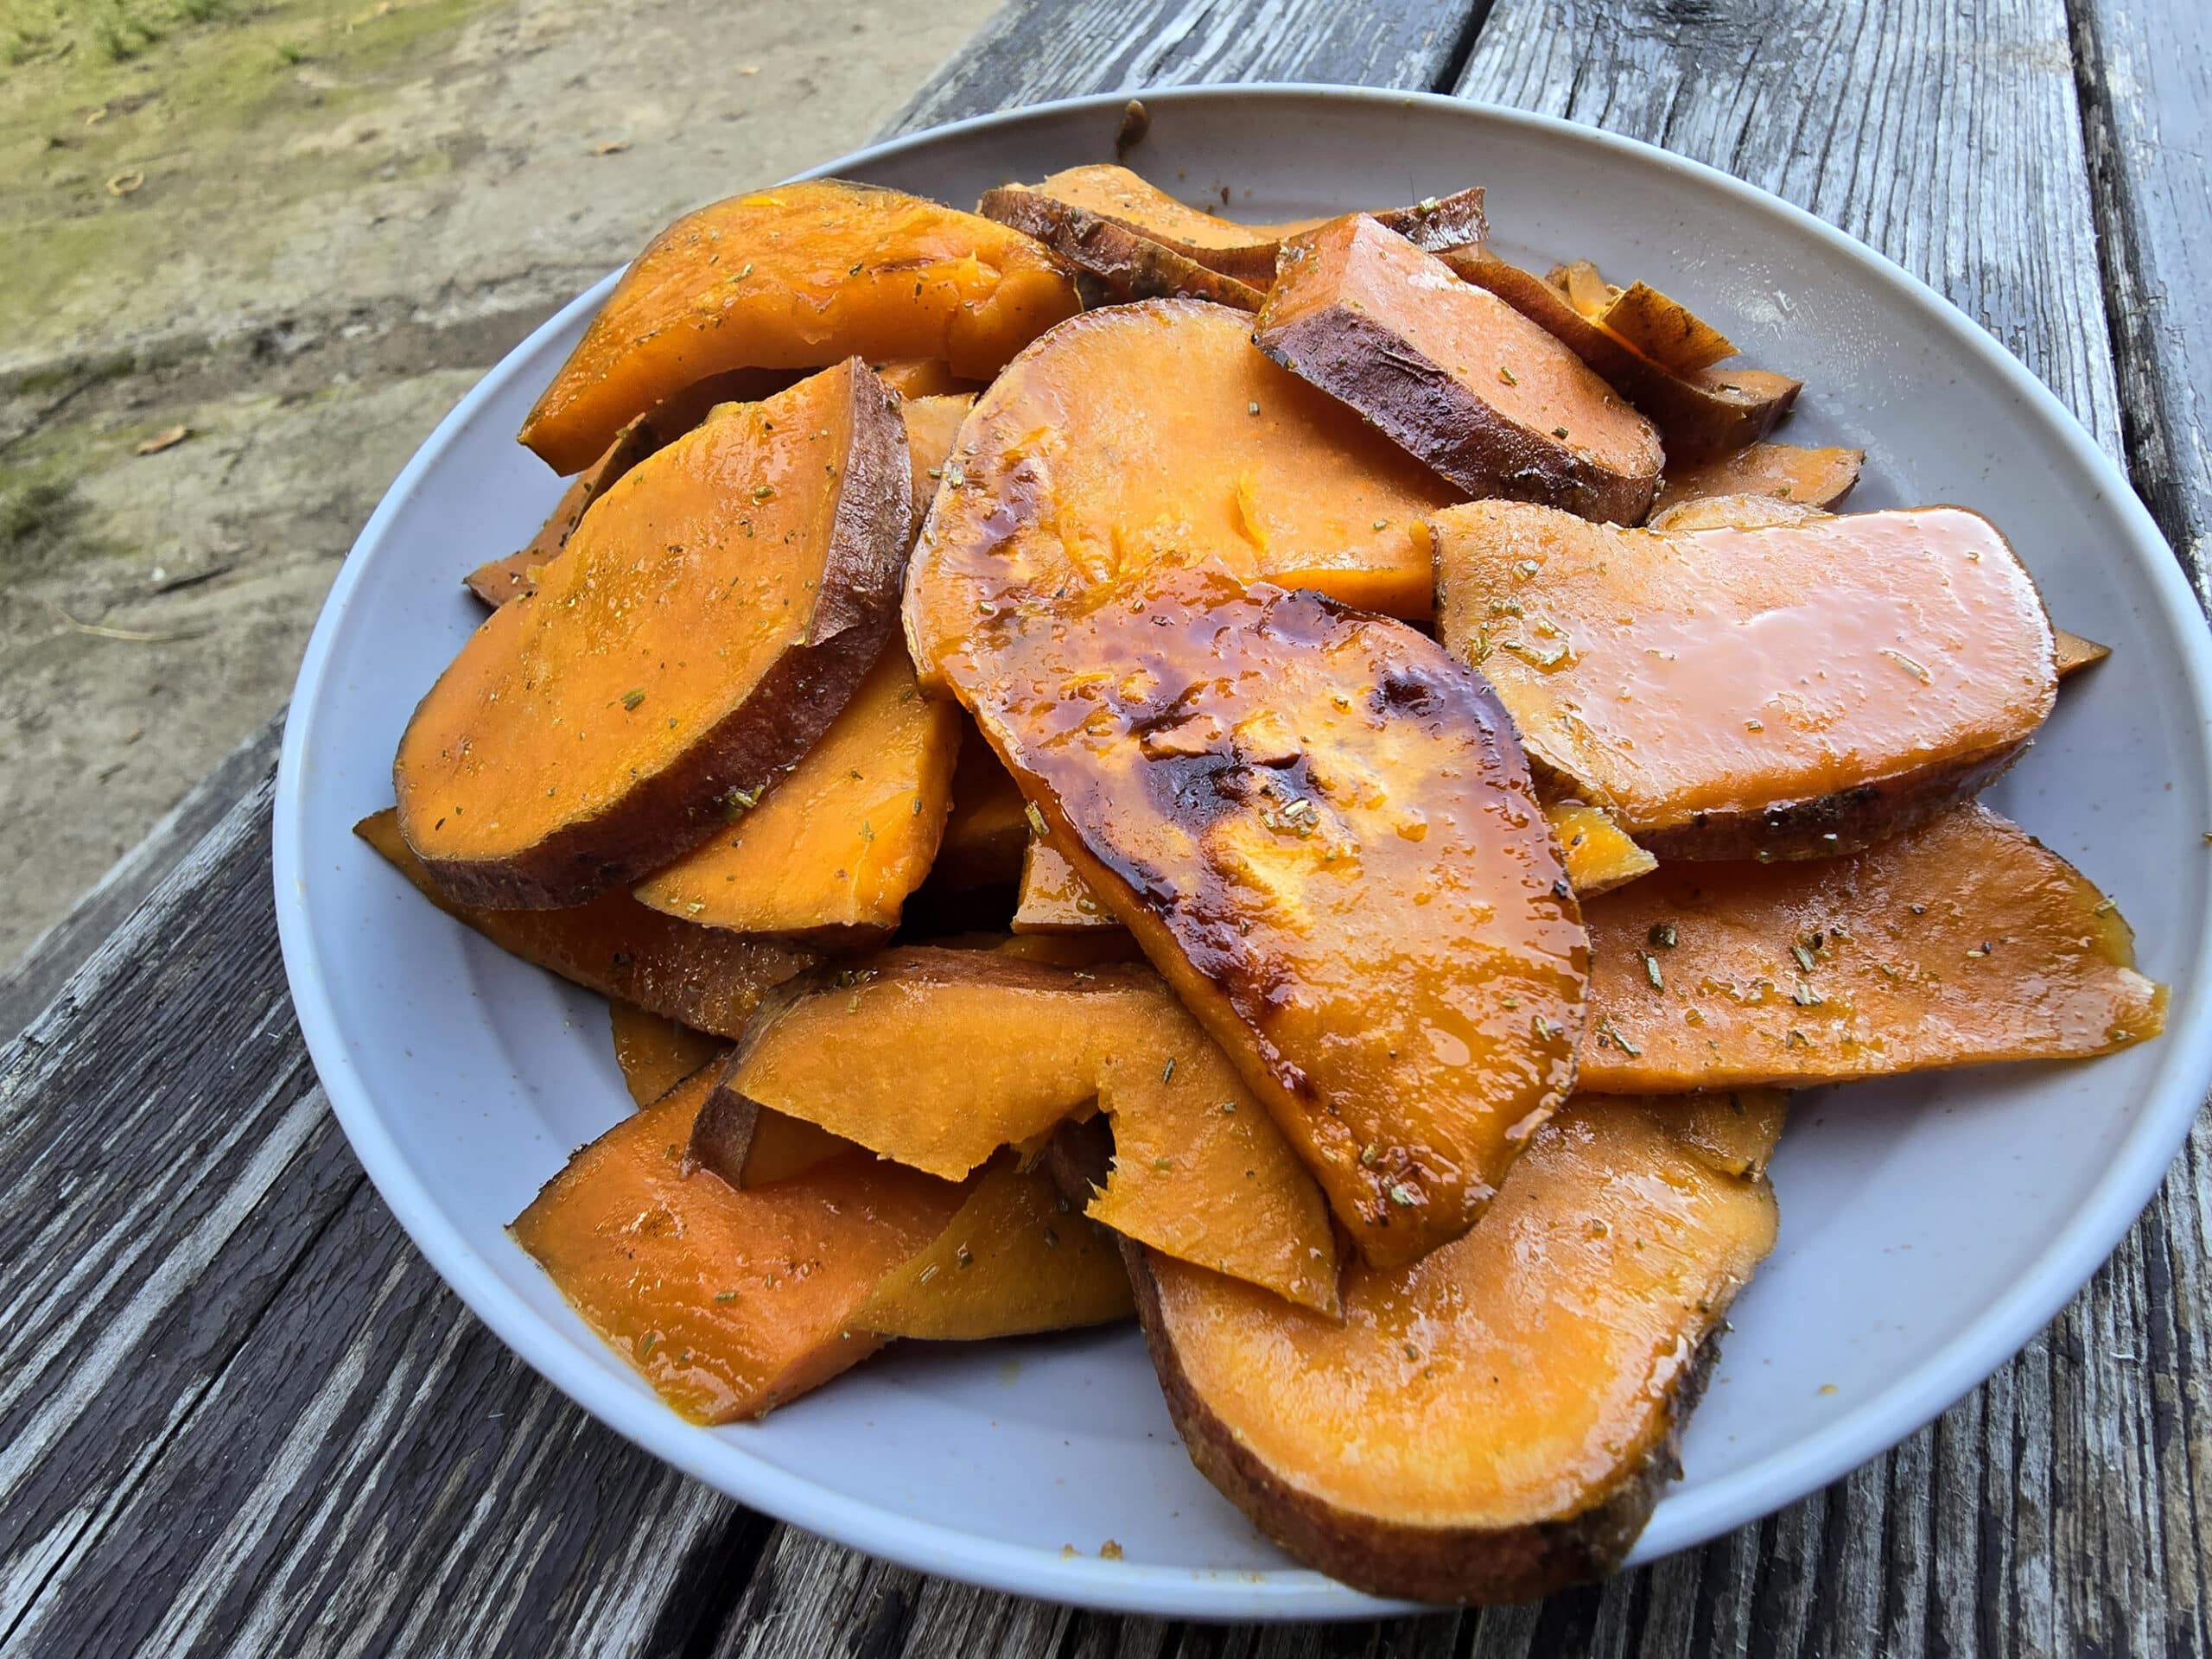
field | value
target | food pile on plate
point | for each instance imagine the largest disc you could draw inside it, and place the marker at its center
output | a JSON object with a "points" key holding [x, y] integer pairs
{"points": [[1301, 782]]}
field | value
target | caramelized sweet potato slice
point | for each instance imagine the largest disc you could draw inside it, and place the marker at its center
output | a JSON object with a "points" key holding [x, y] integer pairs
{"points": [[1664, 330], [1154, 431], [1318, 827], [698, 977], [709, 620], [1810, 478], [841, 839], [799, 277], [2075, 653], [1053, 899], [916, 378], [1599, 852], [1016, 1259], [931, 425], [748, 1146], [1701, 414], [1124, 263], [987, 827], [1514, 1397], [1794, 691], [1961, 941], [1730, 512], [655, 1052], [1456, 376], [691, 1280], [937, 1058]]}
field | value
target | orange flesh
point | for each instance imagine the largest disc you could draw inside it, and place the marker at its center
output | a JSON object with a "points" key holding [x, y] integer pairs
{"points": [[728, 1303], [1053, 898], [1520, 1375], [688, 582], [1811, 478], [799, 277], [1664, 330], [916, 377], [2075, 653], [783, 1146], [657, 1053], [1128, 438], [931, 425], [705, 979], [987, 827], [1600, 854], [1722, 671], [1116, 193], [843, 838], [1955, 944]]}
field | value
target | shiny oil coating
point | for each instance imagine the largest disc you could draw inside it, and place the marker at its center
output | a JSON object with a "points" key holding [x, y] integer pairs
{"points": [[1600, 855], [694, 1282], [1517, 1376], [1729, 672], [793, 277], [1319, 829], [1052, 898], [1961, 942]]}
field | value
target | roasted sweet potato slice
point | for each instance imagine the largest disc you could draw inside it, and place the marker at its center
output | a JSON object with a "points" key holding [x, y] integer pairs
{"points": [[1961, 942], [987, 827], [694, 1282], [1599, 853], [1662, 329], [2075, 653], [710, 617], [841, 839], [1053, 899], [1730, 512], [1810, 478], [1515, 1396], [1456, 376], [914, 378], [1794, 691], [931, 425], [1017, 1259], [698, 977], [1318, 827], [656, 1053], [1151, 432], [937, 1058], [1706, 413], [748, 1146], [799, 277], [1124, 263]]}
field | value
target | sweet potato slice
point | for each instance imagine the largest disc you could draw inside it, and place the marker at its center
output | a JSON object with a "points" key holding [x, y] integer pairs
{"points": [[937, 1057], [987, 827], [1961, 941], [1662, 329], [799, 277], [656, 1053], [915, 378], [1154, 431], [2075, 653], [1016, 1260], [1811, 478], [1705, 413], [1599, 853], [709, 619], [1456, 376], [1317, 824], [1053, 899], [1730, 512], [1514, 1398], [694, 1283], [698, 977], [1125, 264], [841, 839], [931, 425], [1794, 691], [748, 1145]]}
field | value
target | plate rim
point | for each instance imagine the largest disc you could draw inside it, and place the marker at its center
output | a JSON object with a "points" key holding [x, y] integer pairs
{"points": [[1683, 1519]]}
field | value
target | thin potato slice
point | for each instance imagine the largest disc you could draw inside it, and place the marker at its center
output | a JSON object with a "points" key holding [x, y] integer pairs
{"points": [[1053, 899], [1513, 1398], [1799, 690], [2075, 653], [1957, 944], [655, 1052], [1599, 853], [1810, 478], [1664, 330], [1124, 263], [1730, 512]]}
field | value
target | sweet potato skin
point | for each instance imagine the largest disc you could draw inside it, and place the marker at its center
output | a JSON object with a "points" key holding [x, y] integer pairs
{"points": [[1129, 265], [554, 826], [1454, 375], [799, 277]]}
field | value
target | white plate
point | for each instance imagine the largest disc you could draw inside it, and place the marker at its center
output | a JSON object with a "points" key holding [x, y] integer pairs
{"points": [[1929, 1227]]}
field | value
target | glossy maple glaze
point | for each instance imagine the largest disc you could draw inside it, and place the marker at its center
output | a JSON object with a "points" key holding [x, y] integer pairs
{"points": [[1319, 828], [1961, 941], [1052, 898], [1811, 478], [843, 837], [1151, 432], [1600, 854], [655, 1052], [799, 277], [1700, 684], [1522, 1375], [701, 977], [728, 1303]]}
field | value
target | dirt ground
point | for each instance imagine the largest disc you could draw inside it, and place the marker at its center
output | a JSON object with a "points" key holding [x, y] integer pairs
{"points": [[248, 255]]}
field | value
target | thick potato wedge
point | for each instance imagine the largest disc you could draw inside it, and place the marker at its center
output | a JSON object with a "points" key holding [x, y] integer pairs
{"points": [[1514, 1398], [799, 277], [705, 625], [1151, 432], [841, 839], [1454, 375], [1053, 899], [1016, 1260], [1599, 853], [2075, 653], [1706, 413], [1124, 263], [698, 977], [693, 1283], [1810, 478], [1317, 826], [1800, 690], [1959, 943], [655, 1052], [937, 1058]]}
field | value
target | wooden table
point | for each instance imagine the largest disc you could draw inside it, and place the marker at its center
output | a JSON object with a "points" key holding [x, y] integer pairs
{"points": [[237, 1411]]}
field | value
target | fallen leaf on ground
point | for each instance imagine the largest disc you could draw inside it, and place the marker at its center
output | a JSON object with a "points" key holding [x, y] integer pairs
{"points": [[167, 440], [123, 183], [612, 147]]}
